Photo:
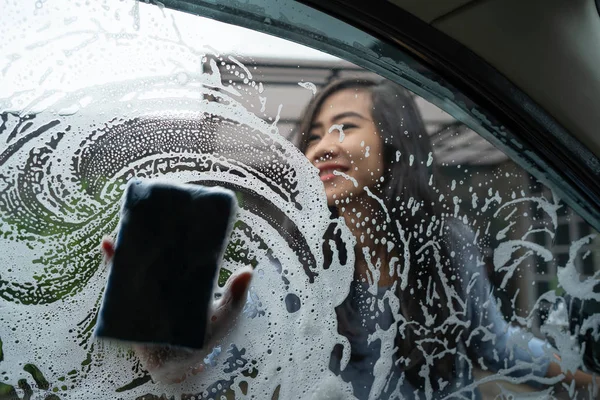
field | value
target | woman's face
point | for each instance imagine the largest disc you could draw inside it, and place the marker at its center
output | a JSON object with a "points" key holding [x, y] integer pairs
{"points": [[345, 146]]}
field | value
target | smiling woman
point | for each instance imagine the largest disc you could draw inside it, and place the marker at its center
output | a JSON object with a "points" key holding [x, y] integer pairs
{"points": [[372, 206], [395, 252]]}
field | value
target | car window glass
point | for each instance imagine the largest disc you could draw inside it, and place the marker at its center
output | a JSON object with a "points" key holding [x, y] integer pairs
{"points": [[443, 268]]}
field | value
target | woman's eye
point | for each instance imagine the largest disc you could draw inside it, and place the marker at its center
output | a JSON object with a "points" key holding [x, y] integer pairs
{"points": [[349, 126], [313, 138]]}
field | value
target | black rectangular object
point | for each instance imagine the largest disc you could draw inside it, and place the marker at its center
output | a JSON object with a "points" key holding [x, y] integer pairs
{"points": [[170, 243]]}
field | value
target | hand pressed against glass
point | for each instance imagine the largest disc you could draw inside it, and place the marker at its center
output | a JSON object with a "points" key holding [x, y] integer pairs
{"points": [[344, 144], [170, 364]]}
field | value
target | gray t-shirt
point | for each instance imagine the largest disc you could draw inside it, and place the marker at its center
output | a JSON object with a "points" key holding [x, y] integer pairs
{"points": [[489, 341]]}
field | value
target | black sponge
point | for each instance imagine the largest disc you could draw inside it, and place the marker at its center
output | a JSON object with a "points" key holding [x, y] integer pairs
{"points": [[170, 243]]}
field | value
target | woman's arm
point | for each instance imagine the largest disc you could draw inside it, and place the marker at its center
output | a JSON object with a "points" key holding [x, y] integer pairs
{"points": [[581, 379], [492, 342], [505, 347]]}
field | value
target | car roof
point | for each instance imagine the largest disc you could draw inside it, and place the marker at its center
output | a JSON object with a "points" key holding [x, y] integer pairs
{"points": [[548, 48]]}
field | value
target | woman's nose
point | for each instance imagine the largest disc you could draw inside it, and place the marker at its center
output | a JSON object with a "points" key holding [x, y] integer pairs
{"points": [[327, 148]]}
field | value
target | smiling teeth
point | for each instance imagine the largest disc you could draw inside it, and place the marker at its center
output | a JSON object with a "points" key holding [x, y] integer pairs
{"points": [[327, 171]]}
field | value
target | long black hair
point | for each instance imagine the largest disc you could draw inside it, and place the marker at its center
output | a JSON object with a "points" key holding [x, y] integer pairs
{"points": [[430, 286]]}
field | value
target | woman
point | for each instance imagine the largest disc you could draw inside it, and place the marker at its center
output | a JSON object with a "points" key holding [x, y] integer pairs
{"points": [[375, 159], [368, 142]]}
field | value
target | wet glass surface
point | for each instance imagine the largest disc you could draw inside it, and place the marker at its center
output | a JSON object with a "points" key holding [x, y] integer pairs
{"points": [[415, 260]]}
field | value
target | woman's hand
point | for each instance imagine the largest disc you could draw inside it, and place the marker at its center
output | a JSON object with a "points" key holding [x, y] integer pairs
{"points": [[581, 379], [170, 364]]}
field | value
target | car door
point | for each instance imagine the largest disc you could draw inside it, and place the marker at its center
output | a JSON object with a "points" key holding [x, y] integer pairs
{"points": [[212, 93]]}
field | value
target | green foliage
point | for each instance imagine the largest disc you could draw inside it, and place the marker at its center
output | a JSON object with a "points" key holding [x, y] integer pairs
{"points": [[8, 392], [38, 377], [224, 274], [134, 383]]}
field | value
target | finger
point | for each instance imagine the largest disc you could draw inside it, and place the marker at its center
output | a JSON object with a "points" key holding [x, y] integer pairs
{"points": [[226, 309], [238, 286], [235, 289], [108, 249]]}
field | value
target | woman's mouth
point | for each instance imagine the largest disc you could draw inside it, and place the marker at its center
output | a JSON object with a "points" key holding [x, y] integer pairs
{"points": [[327, 174]]}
